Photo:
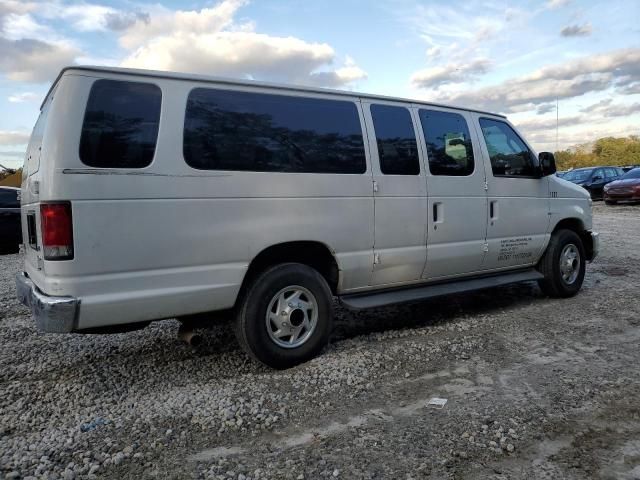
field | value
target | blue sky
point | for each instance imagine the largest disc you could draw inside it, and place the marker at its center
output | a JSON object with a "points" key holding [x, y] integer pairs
{"points": [[509, 57]]}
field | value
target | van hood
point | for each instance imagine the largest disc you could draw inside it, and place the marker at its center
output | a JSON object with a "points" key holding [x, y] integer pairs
{"points": [[567, 189]]}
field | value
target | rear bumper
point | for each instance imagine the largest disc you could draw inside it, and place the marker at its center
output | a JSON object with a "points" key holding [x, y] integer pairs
{"points": [[52, 314]]}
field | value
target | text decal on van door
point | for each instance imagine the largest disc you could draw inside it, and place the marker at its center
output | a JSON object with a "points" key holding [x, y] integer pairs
{"points": [[513, 248]]}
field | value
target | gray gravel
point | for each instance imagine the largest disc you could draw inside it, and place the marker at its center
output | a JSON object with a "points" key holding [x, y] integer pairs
{"points": [[536, 388]]}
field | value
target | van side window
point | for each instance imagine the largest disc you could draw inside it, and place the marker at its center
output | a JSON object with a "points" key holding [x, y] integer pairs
{"points": [[120, 127], [448, 143], [396, 138], [235, 130], [509, 156]]}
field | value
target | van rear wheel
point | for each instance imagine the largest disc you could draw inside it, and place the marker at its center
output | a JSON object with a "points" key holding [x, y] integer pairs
{"points": [[284, 317], [563, 265]]}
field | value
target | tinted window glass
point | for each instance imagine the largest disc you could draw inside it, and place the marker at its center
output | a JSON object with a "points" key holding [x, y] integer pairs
{"points": [[120, 126], [510, 157], [635, 173], [611, 172], [578, 175], [396, 138], [230, 130], [9, 198], [448, 143]]}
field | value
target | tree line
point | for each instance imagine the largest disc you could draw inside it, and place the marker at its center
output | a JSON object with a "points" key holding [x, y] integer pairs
{"points": [[604, 151]]}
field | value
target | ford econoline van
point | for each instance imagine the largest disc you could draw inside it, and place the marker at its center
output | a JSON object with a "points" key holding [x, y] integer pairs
{"points": [[150, 195]]}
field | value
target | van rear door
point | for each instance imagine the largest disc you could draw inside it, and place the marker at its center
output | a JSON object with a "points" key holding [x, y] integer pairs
{"points": [[30, 190]]}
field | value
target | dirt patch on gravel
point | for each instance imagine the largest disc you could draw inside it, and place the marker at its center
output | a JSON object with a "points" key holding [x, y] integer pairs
{"points": [[536, 388]]}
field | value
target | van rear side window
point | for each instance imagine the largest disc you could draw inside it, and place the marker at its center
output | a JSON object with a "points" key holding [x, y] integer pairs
{"points": [[397, 146], [120, 127], [248, 131]]}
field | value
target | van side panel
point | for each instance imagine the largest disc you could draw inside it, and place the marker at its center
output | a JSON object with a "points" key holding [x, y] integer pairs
{"points": [[169, 240]]}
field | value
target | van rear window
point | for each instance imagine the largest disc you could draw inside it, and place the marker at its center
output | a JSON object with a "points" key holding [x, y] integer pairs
{"points": [[234, 130], [120, 127]]}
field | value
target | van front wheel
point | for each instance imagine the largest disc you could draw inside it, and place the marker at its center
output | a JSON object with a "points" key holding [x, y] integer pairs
{"points": [[563, 265], [284, 317]]}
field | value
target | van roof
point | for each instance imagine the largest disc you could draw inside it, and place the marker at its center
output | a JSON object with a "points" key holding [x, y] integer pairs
{"points": [[232, 81]]}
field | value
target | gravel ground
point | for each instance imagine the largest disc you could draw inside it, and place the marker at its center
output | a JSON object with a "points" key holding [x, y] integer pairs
{"points": [[537, 388]]}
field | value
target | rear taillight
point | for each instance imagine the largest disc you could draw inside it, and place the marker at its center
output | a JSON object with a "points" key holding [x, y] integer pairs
{"points": [[57, 230]]}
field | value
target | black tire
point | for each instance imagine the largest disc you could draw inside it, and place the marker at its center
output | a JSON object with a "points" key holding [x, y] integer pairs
{"points": [[610, 202], [554, 284], [251, 325]]}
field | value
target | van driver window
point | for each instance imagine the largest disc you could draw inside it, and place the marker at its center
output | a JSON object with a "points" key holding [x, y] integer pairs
{"points": [[448, 143], [509, 156]]}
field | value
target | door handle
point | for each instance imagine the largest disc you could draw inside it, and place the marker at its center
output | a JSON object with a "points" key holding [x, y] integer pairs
{"points": [[493, 209], [438, 213]]}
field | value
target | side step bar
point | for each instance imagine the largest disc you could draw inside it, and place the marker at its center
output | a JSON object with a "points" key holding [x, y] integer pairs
{"points": [[361, 301]]}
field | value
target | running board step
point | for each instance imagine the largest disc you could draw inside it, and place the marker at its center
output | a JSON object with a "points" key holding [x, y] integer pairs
{"points": [[361, 301]]}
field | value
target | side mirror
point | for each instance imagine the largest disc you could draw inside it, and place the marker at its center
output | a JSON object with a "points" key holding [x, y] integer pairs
{"points": [[547, 163]]}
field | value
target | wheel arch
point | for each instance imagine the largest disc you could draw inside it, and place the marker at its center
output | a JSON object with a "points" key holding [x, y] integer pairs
{"points": [[315, 254], [577, 225]]}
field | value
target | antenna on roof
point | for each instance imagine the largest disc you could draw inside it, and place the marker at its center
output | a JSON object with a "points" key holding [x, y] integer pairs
{"points": [[557, 122]]}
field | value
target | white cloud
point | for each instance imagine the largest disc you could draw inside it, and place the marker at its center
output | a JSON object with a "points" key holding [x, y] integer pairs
{"points": [[18, 26], [576, 30], [546, 139], [630, 89], [80, 16], [536, 124], [30, 60], [545, 108], [23, 97], [570, 79], [15, 6], [434, 77], [209, 41], [606, 108], [30, 51], [9, 137], [553, 4]]}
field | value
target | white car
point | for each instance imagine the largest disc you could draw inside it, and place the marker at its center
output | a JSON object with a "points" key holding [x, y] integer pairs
{"points": [[150, 195]]}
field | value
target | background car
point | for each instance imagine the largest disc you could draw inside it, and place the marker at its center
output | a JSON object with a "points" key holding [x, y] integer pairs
{"points": [[594, 179], [628, 168], [626, 189], [10, 226]]}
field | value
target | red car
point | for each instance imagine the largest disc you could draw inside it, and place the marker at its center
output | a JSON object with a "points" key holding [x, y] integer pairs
{"points": [[624, 190]]}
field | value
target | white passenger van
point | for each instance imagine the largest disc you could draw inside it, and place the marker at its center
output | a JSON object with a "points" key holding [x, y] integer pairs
{"points": [[151, 195]]}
